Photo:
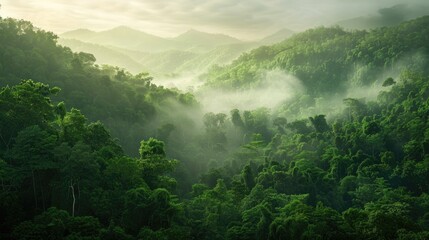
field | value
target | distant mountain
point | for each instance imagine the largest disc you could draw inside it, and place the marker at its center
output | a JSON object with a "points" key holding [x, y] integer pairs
{"points": [[82, 34], [167, 62], [104, 55], [278, 36], [176, 61], [123, 37], [128, 38], [363, 23], [160, 63], [134, 54], [386, 17], [197, 40], [134, 50], [221, 55], [192, 51]]}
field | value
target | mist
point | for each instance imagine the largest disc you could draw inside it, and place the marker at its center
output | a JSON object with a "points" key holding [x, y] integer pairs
{"points": [[275, 87], [362, 84], [278, 91], [225, 131], [386, 16], [185, 82]]}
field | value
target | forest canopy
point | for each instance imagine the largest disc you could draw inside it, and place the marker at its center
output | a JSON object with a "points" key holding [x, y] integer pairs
{"points": [[94, 152]]}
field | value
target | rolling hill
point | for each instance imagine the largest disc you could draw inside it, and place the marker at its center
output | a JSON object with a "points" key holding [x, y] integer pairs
{"points": [[357, 58], [192, 52], [277, 37], [105, 55]]}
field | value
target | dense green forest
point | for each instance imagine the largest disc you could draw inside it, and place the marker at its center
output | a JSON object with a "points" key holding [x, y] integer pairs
{"points": [[94, 152], [324, 59]]}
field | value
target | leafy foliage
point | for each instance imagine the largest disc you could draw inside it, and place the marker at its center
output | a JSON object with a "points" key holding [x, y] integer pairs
{"points": [[359, 175], [104, 93], [323, 58]]}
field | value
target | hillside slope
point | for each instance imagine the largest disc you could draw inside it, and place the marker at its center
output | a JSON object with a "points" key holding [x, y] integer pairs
{"points": [[359, 173], [328, 60], [104, 93], [104, 55]]}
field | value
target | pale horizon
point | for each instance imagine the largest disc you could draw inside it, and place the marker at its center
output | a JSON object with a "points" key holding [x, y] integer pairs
{"points": [[243, 19]]}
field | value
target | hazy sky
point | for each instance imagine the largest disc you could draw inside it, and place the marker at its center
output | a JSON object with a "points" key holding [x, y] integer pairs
{"points": [[240, 18]]}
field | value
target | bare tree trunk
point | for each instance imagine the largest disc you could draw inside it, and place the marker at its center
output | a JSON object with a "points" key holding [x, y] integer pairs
{"points": [[78, 196], [74, 197], [6, 143], [34, 188], [43, 197]]}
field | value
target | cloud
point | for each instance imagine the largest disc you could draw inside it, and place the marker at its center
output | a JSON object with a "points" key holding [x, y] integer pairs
{"points": [[166, 17]]}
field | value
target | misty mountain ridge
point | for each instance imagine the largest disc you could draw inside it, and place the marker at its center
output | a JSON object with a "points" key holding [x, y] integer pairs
{"points": [[105, 55], [129, 38], [160, 63], [80, 33], [192, 51], [193, 36], [126, 37], [385, 17], [278, 36]]}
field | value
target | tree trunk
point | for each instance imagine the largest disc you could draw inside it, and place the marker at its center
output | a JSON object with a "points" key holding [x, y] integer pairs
{"points": [[43, 197], [244, 139], [78, 196], [34, 188], [6, 143], [74, 197]]}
